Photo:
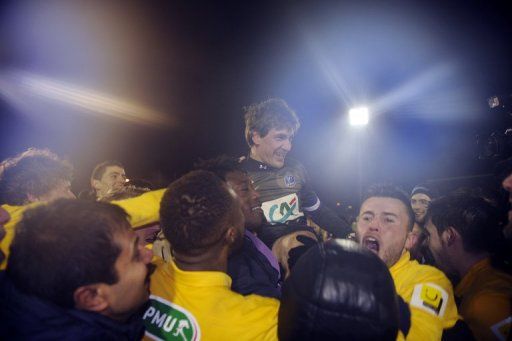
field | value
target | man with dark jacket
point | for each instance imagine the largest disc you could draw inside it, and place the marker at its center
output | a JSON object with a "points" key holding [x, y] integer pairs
{"points": [[283, 183], [253, 268], [76, 272]]}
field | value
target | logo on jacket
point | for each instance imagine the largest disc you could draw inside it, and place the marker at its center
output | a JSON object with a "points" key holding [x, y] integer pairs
{"points": [[289, 181], [431, 298], [282, 209], [165, 320]]}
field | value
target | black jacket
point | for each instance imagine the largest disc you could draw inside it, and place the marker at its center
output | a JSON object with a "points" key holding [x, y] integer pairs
{"points": [[252, 273], [24, 317]]}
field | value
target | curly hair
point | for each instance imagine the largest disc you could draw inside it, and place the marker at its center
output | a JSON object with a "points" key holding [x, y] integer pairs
{"points": [[272, 113], [194, 211], [64, 245], [35, 172]]}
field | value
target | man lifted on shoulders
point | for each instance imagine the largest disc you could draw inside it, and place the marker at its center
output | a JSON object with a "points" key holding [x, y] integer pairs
{"points": [[282, 183]]}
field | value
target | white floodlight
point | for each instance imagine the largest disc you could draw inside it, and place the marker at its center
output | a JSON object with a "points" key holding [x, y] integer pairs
{"points": [[358, 116]]}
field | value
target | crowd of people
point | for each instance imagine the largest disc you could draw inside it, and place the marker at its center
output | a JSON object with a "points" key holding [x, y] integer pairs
{"points": [[243, 248]]}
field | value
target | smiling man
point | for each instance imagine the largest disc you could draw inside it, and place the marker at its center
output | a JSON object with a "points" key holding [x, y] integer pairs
{"points": [[192, 299], [384, 225], [253, 268], [76, 271], [282, 183]]}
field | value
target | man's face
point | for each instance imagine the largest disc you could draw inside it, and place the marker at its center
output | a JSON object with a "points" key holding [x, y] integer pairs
{"points": [[437, 247], [132, 289], [419, 204], [248, 197], [382, 228], [113, 180], [272, 148]]}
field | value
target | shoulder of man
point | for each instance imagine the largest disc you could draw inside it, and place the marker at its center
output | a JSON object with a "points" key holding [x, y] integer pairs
{"points": [[432, 292]]}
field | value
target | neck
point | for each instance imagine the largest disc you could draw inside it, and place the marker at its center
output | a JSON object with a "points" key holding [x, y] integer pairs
{"points": [[468, 260], [253, 155], [210, 260]]}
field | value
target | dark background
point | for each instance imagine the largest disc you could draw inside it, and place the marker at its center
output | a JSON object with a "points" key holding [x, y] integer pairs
{"points": [[425, 69]]}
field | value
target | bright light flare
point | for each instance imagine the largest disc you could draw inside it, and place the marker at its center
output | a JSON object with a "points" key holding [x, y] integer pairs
{"points": [[19, 86], [358, 116]]}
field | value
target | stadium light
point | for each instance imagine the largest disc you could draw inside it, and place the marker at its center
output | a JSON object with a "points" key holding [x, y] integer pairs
{"points": [[358, 116]]}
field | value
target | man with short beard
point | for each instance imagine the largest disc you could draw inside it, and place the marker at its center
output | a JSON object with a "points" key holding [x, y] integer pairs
{"points": [[464, 237], [384, 225]]}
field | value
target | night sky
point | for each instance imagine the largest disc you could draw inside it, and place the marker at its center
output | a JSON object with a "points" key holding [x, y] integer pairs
{"points": [[72, 73]]}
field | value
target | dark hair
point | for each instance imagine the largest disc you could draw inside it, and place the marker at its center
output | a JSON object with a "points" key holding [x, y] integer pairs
{"points": [[272, 113], [194, 210], [475, 219], [221, 166], [35, 172], [391, 191], [100, 168], [64, 245]]}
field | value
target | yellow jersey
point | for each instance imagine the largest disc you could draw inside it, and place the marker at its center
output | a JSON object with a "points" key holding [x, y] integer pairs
{"points": [[142, 210], [193, 305], [429, 295]]}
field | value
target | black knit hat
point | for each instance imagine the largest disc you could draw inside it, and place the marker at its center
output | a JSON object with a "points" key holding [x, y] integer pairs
{"points": [[425, 190]]}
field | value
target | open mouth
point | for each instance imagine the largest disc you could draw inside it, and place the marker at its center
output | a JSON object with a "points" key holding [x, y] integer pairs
{"points": [[371, 244], [280, 155], [256, 208]]}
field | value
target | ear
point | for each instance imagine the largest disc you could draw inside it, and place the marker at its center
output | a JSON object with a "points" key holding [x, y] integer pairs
{"points": [[231, 235], [410, 240], [95, 184], [256, 138], [450, 236], [91, 298]]}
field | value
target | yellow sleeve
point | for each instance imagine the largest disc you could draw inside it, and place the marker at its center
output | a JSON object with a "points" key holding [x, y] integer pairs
{"points": [[143, 209], [15, 213], [433, 309]]}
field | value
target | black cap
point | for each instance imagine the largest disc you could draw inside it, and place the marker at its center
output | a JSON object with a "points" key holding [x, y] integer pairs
{"points": [[339, 291], [425, 190]]}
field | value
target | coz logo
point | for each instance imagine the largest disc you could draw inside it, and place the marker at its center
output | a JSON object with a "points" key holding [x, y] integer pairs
{"points": [[286, 209]]}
